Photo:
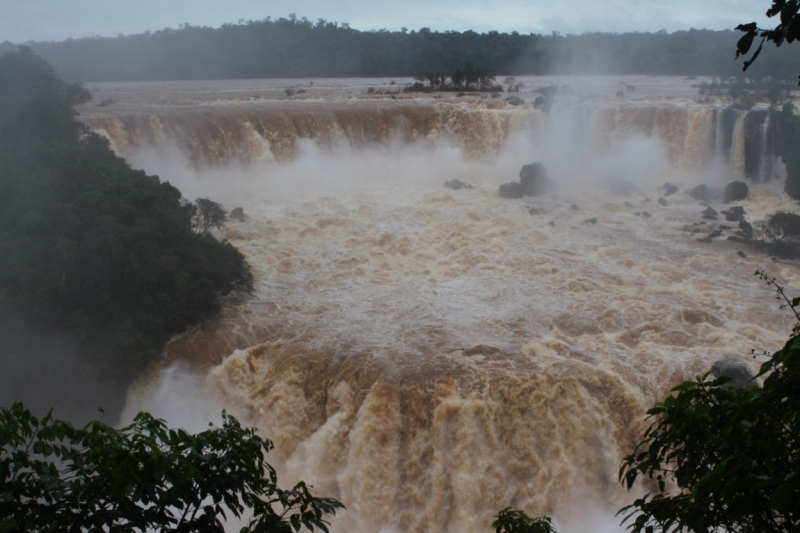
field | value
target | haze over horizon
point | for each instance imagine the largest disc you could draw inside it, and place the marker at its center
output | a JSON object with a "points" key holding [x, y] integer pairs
{"points": [[57, 20]]}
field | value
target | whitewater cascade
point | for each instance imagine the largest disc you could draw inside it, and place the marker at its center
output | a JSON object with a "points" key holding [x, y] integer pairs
{"points": [[257, 134], [429, 356]]}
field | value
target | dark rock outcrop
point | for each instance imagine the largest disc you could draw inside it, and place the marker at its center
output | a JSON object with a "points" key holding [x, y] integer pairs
{"points": [[670, 188], [534, 180], [735, 191], [457, 185], [746, 229], [709, 214], [237, 214], [701, 193], [592, 220], [740, 374], [663, 202], [510, 190]]}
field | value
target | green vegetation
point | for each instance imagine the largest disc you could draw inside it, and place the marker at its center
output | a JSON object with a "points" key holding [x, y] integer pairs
{"points": [[782, 231], [787, 30], [509, 520], [143, 477], [472, 78], [109, 260], [297, 47], [723, 458]]}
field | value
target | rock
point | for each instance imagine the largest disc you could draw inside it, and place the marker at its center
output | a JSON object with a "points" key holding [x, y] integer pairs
{"points": [[709, 214], [534, 180], [704, 193], [574, 207], [510, 190], [741, 254], [735, 191], [704, 239], [646, 214], [620, 186], [515, 100], [592, 220], [237, 213], [714, 234], [746, 228], [536, 211], [701, 193], [552, 224], [663, 202], [734, 214], [457, 185], [637, 213], [739, 372], [723, 227], [669, 188]]}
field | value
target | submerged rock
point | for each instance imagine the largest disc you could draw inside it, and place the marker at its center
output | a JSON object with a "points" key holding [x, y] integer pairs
{"points": [[457, 185], [734, 214], [621, 186], [704, 193], [663, 202], [510, 190], [739, 372], [670, 188]]}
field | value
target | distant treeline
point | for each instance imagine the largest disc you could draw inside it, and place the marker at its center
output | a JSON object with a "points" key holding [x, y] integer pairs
{"points": [[298, 47]]}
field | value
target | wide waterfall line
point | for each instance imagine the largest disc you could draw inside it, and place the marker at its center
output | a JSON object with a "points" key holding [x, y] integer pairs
{"points": [[692, 137]]}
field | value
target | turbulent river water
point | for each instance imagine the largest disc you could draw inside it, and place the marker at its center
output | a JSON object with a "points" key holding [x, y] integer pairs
{"points": [[429, 356]]}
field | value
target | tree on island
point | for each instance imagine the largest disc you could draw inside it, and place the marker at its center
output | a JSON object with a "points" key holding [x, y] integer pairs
{"points": [[472, 78]]}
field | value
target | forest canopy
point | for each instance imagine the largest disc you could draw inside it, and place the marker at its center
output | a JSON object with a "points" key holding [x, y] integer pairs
{"points": [[298, 47], [98, 262]]}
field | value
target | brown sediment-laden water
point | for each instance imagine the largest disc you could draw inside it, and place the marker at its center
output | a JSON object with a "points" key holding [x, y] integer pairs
{"points": [[429, 356]]}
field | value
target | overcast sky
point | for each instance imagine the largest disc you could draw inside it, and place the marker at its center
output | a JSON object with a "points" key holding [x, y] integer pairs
{"points": [[24, 20]]}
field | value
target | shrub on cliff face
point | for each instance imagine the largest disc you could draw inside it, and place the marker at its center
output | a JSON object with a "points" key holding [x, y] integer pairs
{"points": [[143, 477], [90, 249], [723, 458], [783, 235]]}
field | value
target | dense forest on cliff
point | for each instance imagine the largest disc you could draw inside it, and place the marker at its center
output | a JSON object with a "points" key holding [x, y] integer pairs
{"points": [[298, 47], [99, 263]]}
